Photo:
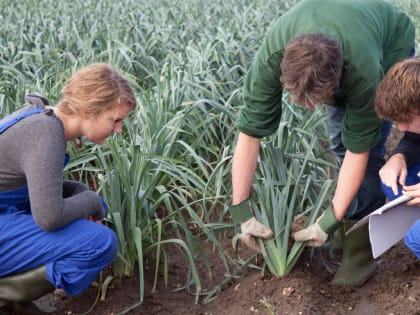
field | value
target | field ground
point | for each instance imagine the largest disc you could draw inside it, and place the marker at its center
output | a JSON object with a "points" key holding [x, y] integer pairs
{"points": [[394, 289]]}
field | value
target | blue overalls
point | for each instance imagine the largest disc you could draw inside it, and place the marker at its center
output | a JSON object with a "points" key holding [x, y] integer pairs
{"points": [[412, 238], [73, 255]]}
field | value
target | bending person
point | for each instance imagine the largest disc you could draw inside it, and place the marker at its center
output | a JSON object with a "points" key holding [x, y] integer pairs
{"points": [[325, 52]]}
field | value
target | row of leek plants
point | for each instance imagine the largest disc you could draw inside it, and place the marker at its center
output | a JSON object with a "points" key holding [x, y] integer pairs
{"points": [[170, 168], [160, 178]]}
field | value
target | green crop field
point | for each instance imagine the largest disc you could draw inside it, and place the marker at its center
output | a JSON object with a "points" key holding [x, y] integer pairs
{"points": [[166, 178]]}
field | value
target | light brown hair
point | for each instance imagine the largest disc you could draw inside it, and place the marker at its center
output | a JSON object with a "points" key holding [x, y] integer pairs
{"points": [[311, 68], [398, 94], [94, 89]]}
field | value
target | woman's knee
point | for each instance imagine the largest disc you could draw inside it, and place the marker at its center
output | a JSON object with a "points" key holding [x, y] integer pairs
{"points": [[96, 241], [108, 244]]}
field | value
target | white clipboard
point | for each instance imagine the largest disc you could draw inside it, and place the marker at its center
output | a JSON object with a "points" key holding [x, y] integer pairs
{"points": [[389, 224]]}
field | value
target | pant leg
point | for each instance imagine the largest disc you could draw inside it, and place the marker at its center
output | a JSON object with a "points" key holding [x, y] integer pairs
{"points": [[370, 195], [412, 238], [335, 117], [73, 255]]}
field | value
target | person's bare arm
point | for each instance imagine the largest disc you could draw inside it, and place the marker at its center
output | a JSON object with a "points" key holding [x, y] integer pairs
{"points": [[246, 226], [243, 166], [349, 181]]}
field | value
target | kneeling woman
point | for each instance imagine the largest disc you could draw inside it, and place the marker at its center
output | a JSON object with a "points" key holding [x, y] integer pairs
{"points": [[49, 232]]}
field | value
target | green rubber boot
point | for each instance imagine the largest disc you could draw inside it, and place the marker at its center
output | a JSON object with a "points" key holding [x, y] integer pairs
{"points": [[337, 240], [19, 290], [357, 264]]}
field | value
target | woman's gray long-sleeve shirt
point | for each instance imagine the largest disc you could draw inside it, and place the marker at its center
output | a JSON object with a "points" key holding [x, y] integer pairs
{"points": [[32, 154]]}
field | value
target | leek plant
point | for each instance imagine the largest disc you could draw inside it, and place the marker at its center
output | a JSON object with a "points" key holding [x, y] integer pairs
{"points": [[158, 181], [292, 180]]}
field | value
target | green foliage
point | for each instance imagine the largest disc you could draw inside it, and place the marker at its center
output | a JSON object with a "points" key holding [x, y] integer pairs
{"points": [[167, 177], [292, 180]]}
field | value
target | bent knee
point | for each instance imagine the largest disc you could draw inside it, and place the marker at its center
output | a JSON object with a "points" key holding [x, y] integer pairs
{"points": [[108, 245]]}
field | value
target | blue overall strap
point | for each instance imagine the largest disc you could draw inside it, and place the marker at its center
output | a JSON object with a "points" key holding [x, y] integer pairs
{"points": [[14, 120]]}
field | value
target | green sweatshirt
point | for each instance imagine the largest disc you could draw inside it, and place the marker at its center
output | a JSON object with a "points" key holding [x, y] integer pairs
{"points": [[374, 34]]}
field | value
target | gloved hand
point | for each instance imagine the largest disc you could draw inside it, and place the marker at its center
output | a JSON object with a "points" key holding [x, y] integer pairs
{"points": [[247, 228], [317, 233]]}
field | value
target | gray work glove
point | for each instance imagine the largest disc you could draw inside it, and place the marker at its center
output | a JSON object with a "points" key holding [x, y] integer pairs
{"points": [[317, 233], [247, 228]]}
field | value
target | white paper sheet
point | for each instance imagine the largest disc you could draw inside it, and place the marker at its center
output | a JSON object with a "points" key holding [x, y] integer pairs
{"points": [[388, 228]]}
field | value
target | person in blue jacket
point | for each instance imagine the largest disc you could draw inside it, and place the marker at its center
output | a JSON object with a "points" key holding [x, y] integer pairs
{"points": [[398, 99], [49, 232]]}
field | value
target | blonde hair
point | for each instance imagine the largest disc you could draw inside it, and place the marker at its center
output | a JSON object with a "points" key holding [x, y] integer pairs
{"points": [[398, 94], [94, 89], [311, 68]]}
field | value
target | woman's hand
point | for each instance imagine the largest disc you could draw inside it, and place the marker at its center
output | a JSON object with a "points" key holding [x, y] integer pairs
{"points": [[90, 218], [394, 172]]}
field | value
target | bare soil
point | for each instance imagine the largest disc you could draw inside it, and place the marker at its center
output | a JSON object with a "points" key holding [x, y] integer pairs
{"points": [[393, 290]]}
